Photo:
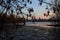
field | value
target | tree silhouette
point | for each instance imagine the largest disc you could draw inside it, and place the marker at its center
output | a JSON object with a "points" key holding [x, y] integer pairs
{"points": [[8, 4], [10, 7], [55, 6], [18, 5]]}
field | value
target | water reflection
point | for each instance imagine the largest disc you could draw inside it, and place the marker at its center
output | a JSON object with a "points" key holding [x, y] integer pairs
{"points": [[40, 24]]}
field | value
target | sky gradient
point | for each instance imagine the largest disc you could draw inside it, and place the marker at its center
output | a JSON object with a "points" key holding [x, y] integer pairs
{"points": [[38, 10]]}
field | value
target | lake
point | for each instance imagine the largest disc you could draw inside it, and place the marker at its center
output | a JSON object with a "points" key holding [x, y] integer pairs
{"points": [[41, 24]]}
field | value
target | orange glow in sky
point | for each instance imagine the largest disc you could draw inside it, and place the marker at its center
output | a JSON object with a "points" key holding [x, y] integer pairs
{"points": [[41, 15], [44, 17]]}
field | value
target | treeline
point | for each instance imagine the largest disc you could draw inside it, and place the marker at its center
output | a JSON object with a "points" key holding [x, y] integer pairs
{"points": [[45, 20], [10, 18]]}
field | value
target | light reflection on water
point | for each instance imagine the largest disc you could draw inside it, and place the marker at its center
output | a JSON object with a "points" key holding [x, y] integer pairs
{"points": [[40, 24]]}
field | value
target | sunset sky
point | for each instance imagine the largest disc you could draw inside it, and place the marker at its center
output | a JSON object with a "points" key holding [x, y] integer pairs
{"points": [[39, 10], [41, 15]]}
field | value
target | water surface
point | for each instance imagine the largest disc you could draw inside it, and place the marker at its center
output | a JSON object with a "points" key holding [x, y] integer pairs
{"points": [[40, 24]]}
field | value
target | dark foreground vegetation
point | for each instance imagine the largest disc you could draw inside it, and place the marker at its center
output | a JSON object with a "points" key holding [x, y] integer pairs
{"points": [[11, 18], [11, 32]]}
